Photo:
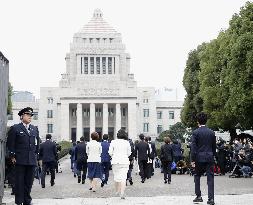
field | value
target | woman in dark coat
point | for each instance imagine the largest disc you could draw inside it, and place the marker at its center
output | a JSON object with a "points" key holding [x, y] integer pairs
{"points": [[166, 159]]}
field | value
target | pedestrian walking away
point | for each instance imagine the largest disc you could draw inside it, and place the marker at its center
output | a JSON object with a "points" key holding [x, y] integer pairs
{"points": [[203, 151]]}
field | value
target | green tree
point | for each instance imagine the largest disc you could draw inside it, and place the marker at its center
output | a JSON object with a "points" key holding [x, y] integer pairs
{"points": [[193, 102], [176, 131]]}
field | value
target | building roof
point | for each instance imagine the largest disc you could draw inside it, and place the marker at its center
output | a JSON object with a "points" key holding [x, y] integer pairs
{"points": [[97, 24]]}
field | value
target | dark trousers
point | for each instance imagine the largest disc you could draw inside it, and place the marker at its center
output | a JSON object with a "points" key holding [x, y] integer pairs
{"points": [[81, 166], [149, 170], [45, 167], [167, 170], [143, 168], [105, 170], [200, 169], [24, 175]]}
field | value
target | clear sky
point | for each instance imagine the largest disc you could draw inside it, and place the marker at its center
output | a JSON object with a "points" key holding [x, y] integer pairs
{"points": [[35, 36]]}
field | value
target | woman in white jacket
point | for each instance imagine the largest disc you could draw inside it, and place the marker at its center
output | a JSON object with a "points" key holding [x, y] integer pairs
{"points": [[120, 150]]}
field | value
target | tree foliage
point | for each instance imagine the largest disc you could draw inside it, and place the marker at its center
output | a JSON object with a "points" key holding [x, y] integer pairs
{"points": [[176, 131], [220, 75]]}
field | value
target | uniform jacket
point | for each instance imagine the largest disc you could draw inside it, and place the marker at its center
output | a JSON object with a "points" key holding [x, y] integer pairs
{"points": [[22, 145], [105, 157], [203, 147], [177, 150], [80, 152], [48, 151]]}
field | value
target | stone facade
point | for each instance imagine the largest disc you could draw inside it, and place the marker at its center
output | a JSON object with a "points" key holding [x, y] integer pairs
{"points": [[97, 92], [4, 80]]}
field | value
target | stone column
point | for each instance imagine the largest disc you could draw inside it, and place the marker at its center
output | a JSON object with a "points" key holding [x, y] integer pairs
{"points": [[65, 131], [132, 133], [117, 119], [79, 121], [92, 118], [105, 118]]}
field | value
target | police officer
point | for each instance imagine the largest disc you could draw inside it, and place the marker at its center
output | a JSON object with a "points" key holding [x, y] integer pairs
{"points": [[48, 153], [22, 142]]}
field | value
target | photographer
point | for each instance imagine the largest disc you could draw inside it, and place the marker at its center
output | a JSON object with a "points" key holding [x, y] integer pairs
{"points": [[244, 163], [221, 155]]}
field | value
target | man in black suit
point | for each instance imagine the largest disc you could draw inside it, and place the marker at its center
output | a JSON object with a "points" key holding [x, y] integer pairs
{"points": [[153, 154], [48, 153], [203, 151], [142, 151], [23, 145], [81, 160]]}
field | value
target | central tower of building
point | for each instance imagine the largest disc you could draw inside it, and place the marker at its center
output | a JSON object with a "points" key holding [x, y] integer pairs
{"points": [[97, 92]]}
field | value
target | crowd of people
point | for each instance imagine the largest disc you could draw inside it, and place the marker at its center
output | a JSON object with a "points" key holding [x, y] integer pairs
{"points": [[94, 159]]}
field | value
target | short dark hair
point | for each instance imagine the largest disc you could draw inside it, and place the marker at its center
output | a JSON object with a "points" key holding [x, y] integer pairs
{"points": [[201, 118], [146, 139], [94, 136], [149, 138], [105, 137], [48, 136], [82, 139], [122, 134], [167, 140], [141, 136]]}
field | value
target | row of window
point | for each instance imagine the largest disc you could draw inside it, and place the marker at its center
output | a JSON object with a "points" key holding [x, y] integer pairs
{"points": [[98, 112], [159, 114], [97, 40], [98, 65]]}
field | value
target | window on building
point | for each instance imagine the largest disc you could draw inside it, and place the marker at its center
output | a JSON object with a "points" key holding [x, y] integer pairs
{"points": [[84, 40], [145, 112], [159, 129], [145, 100], [111, 40], [35, 115], [159, 114], [50, 114], [91, 40], [145, 127], [104, 65], [104, 40], [49, 128], [98, 65], [92, 65], [81, 65], [98, 112], [50, 100], [110, 111], [98, 40], [123, 112], [109, 65], [171, 115], [86, 112], [73, 112], [85, 63]]}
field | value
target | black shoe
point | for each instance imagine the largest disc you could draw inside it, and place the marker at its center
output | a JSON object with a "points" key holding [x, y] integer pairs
{"points": [[142, 181], [79, 180], [90, 189], [198, 199], [52, 183], [169, 182], [210, 201], [83, 181], [43, 186], [131, 182], [165, 181], [102, 184], [75, 175]]}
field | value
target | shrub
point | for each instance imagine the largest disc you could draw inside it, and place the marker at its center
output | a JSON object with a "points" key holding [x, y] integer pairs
{"points": [[65, 147]]}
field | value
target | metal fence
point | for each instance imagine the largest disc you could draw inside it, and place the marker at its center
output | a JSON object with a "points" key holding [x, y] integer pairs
{"points": [[4, 79]]}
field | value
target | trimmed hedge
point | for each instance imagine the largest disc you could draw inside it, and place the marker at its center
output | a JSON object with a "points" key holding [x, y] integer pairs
{"points": [[65, 147]]}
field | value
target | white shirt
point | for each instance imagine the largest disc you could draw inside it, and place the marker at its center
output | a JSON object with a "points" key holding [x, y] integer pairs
{"points": [[94, 150], [120, 150]]}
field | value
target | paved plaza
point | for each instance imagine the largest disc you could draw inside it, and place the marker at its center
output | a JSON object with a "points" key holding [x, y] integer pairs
{"points": [[181, 191]]}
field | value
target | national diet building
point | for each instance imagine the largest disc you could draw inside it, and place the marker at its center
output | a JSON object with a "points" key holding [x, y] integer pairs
{"points": [[98, 92]]}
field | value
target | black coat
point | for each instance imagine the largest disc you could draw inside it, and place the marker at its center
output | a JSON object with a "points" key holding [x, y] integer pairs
{"points": [[203, 146], [22, 145], [153, 153], [142, 151], [48, 151], [80, 152], [166, 153]]}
